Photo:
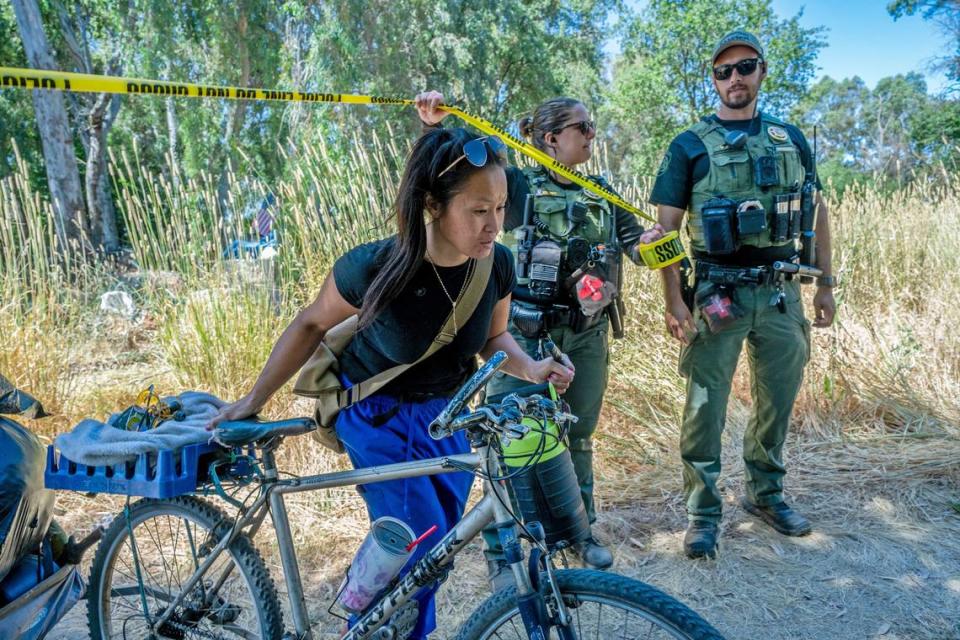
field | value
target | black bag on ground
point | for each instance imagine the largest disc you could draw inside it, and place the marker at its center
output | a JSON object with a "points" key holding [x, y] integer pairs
{"points": [[16, 402], [26, 507], [35, 592]]}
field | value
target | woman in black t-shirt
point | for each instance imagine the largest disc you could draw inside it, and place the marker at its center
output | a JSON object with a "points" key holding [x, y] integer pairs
{"points": [[449, 210], [562, 129]]}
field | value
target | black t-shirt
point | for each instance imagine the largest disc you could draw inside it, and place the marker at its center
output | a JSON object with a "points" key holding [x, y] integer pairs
{"points": [[687, 162], [628, 228], [403, 331]]}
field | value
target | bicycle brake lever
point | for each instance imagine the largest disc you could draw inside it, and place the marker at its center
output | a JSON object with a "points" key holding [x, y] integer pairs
{"points": [[515, 430]]}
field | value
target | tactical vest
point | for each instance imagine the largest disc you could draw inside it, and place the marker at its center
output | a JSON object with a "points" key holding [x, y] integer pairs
{"points": [[550, 217], [731, 175]]}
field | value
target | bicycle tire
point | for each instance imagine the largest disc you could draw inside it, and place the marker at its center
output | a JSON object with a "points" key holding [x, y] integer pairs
{"points": [[205, 519], [498, 617]]}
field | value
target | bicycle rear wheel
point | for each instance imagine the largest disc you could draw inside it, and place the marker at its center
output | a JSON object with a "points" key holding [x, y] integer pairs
{"points": [[145, 558], [601, 605]]}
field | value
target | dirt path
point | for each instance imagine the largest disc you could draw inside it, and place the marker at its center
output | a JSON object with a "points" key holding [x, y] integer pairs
{"points": [[882, 563]]}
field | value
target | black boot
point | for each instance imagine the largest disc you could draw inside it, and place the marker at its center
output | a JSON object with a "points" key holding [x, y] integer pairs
{"points": [[594, 554], [700, 540], [780, 517]]}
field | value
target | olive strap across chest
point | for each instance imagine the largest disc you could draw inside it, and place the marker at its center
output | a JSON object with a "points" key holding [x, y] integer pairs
{"points": [[319, 378]]}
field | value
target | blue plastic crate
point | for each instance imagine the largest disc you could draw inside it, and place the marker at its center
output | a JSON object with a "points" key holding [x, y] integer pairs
{"points": [[162, 475]]}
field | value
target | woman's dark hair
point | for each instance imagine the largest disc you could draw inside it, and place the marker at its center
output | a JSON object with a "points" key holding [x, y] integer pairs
{"points": [[433, 152], [549, 117]]}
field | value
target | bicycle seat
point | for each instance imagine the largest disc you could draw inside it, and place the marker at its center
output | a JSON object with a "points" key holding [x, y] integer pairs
{"points": [[240, 432]]}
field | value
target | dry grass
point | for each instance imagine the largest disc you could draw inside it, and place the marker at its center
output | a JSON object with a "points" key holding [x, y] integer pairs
{"points": [[872, 456]]}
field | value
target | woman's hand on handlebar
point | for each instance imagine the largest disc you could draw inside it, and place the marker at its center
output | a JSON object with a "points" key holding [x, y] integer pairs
{"points": [[549, 370]]}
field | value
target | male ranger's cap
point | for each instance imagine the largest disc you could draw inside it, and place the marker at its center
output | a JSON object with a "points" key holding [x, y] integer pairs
{"points": [[735, 38]]}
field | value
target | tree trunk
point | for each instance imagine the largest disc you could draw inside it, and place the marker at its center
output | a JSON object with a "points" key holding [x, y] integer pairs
{"points": [[103, 215], [63, 176], [172, 134]]}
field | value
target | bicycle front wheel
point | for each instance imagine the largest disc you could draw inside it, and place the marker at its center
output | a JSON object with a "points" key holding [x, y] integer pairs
{"points": [[146, 557], [601, 605]]}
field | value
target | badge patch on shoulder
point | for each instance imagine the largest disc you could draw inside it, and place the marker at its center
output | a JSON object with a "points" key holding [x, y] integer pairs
{"points": [[777, 134], [664, 164]]}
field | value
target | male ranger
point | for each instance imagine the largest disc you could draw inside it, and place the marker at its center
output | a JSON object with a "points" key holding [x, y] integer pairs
{"points": [[739, 176]]}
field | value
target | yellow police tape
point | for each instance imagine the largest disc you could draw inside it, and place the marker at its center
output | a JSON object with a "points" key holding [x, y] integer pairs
{"points": [[663, 252], [87, 83]]}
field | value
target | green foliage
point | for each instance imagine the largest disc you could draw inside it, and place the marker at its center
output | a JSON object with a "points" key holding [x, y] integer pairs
{"points": [[894, 131], [498, 59], [527, 50], [662, 83], [17, 123]]}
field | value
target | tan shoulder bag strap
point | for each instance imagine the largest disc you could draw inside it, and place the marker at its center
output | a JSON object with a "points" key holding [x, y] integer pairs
{"points": [[466, 304]]}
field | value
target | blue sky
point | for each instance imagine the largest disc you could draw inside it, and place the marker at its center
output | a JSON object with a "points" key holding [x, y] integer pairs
{"points": [[864, 40]]}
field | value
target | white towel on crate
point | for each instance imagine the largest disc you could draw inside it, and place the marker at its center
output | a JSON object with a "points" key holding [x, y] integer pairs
{"points": [[96, 443]]}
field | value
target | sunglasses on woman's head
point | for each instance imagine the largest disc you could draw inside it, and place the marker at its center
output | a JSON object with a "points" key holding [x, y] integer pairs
{"points": [[476, 154], [744, 68], [585, 126]]}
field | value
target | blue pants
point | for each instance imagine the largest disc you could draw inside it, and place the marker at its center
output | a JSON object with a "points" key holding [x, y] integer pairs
{"points": [[383, 430]]}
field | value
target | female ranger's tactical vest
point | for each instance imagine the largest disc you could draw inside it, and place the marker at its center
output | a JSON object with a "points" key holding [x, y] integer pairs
{"points": [[765, 172], [583, 227]]}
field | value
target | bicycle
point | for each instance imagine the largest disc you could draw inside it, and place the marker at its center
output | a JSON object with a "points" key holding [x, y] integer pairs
{"points": [[180, 567]]}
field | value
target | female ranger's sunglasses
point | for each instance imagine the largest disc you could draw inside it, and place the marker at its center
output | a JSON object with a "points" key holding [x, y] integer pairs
{"points": [[744, 68], [475, 152], [585, 126]]}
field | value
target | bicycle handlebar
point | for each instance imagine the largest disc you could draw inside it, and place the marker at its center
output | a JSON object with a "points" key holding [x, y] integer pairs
{"points": [[467, 391], [505, 417]]}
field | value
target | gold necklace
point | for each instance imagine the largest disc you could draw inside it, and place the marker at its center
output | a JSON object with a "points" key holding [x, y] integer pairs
{"points": [[453, 303]]}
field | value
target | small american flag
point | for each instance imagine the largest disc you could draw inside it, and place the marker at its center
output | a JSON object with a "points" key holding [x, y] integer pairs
{"points": [[264, 222]]}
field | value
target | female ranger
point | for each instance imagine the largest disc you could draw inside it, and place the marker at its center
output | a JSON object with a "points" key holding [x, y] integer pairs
{"points": [[449, 209], [567, 244]]}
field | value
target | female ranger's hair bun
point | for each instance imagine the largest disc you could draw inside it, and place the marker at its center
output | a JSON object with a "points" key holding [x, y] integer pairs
{"points": [[525, 124], [548, 117]]}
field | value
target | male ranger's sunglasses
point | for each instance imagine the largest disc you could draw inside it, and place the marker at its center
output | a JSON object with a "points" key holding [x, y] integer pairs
{"points": [[744, 68]]}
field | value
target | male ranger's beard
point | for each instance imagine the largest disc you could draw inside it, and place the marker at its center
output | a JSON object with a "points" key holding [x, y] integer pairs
{"points": [[744, 98]]}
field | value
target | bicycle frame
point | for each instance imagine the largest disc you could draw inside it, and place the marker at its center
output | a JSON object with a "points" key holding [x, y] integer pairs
{"points": [[432, 566]]}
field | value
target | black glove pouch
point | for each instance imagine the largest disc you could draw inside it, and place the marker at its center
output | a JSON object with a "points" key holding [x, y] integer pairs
{"points": [[529, 322]]}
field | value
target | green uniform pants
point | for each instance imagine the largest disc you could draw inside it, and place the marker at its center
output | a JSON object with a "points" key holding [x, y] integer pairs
{"points": [[778, 347], [587, 351]]}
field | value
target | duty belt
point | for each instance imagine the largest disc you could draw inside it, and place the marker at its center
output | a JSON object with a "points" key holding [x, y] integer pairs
{"points": [[734, 275], [552, 316]]}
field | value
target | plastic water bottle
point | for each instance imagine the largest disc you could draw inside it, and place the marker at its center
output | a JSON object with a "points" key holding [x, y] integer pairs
{"points": [[380, 558]]}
